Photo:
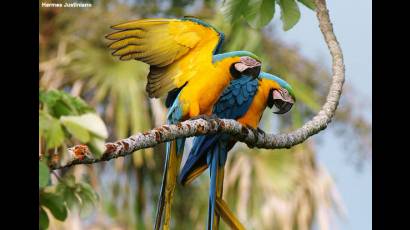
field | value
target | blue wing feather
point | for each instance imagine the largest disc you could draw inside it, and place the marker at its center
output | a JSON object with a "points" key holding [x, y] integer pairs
{"points": [[236, 98], [213, 159], [175, 112]]}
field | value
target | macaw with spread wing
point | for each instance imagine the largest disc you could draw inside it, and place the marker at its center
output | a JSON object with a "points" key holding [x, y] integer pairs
{"points": [[244, 99], [185, 65]]}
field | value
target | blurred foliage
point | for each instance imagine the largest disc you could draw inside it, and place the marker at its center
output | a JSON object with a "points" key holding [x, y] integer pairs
{"points": [[62, 116], [259, 13], [63, 196], [65, 120], [281, 189]]}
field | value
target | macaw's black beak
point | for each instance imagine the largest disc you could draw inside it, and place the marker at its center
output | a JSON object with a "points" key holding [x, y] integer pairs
{"points": [[248, 66], [281, 99]]}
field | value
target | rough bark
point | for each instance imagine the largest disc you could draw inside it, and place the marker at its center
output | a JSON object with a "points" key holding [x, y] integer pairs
{"points": [[190, 128]]}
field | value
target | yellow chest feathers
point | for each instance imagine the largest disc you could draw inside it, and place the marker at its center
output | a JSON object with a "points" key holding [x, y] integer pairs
{"points": [[259, 103]]}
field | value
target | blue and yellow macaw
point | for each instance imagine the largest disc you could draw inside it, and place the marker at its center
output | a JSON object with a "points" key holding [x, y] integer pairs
{"points": [[244, 100], [185, 65]]}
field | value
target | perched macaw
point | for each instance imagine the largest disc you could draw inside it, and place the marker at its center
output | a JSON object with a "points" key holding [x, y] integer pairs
{"points": [[244, 99], [185, 65]]}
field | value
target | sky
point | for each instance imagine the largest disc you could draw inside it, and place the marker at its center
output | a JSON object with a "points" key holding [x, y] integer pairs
{"points": [[352, 22]]}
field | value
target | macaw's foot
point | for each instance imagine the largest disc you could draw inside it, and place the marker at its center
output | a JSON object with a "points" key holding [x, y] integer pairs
{"points": [[205, 117], [261, 131], [257, 132]]}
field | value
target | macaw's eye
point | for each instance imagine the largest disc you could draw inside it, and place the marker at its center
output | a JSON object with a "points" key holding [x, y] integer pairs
{"points": [[247, 66], [281, 100], [234, 70]]}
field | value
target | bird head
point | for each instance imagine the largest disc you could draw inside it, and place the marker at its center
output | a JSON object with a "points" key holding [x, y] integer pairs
{"points": [[241, 63], [280, 95]]}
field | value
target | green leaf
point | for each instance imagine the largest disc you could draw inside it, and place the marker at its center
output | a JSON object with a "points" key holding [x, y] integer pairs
{"points": [[308, 3], [54, 103], [88, 193], [69, 180], [43, 174], [55, 204], [260, 12], [88, 197], [80, 195], [290, 13], [89, 121], [60, 103], [234, 9], [79, 104], [51, 129], [48, 98], [43, 219], [67, 190], [78, 131], [71, 198]]}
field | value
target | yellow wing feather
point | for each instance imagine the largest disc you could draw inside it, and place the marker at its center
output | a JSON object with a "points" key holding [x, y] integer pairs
{"points": [[175, 49]]}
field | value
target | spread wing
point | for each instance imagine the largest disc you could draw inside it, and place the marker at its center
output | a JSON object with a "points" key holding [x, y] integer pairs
{"points": [[233, 104], [175, 49]]}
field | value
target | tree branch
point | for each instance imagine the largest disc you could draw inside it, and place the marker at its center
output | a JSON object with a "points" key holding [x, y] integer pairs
{"points": [[190, 128]]}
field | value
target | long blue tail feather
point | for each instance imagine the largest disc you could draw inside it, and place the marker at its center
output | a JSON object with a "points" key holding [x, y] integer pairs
{"points": [[198, 154], [212, 189]]}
